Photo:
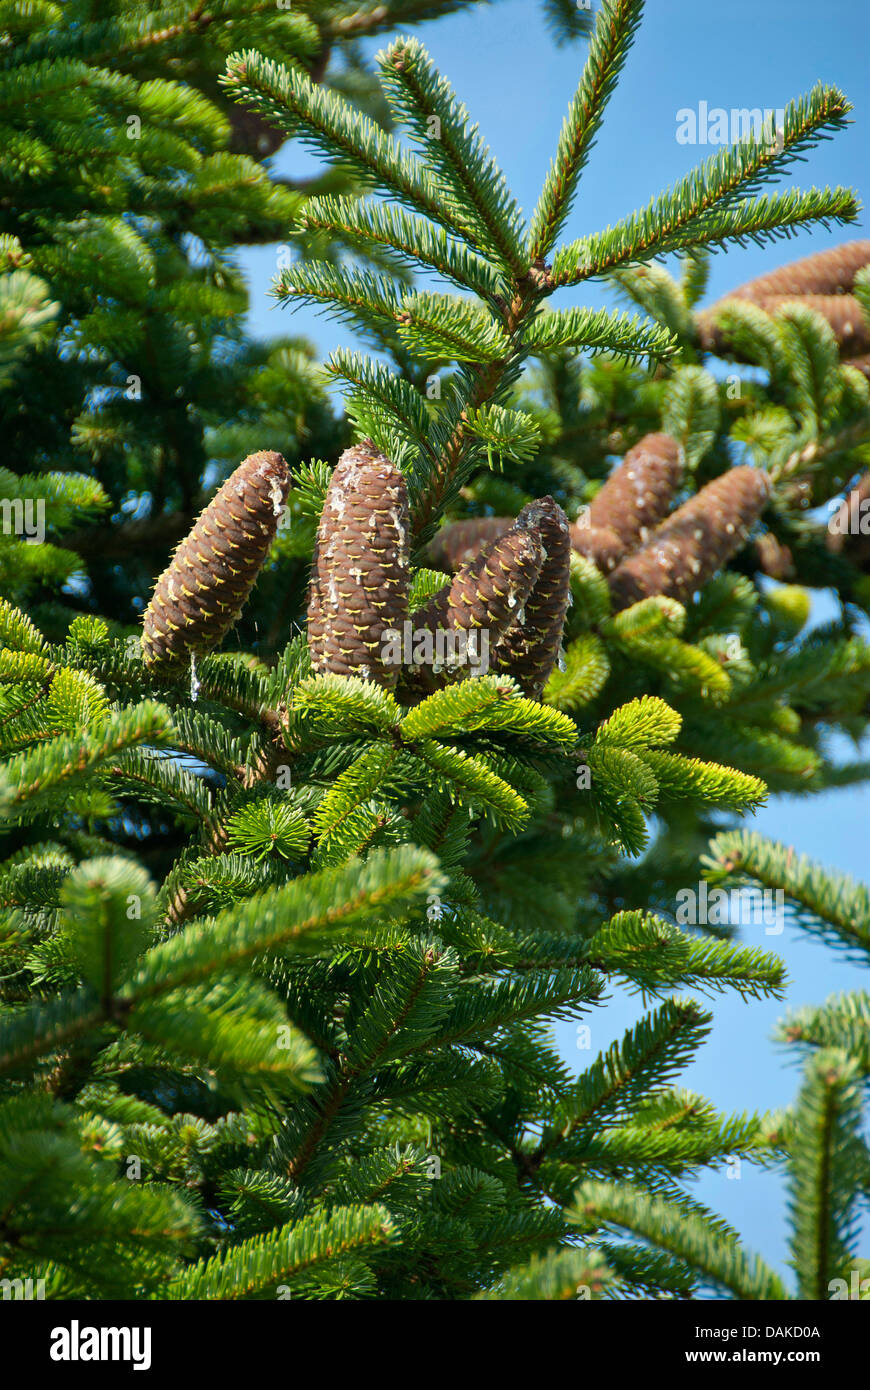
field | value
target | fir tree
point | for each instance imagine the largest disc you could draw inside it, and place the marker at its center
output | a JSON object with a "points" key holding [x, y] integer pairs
{"points": [[130, 181], [282, 945]]}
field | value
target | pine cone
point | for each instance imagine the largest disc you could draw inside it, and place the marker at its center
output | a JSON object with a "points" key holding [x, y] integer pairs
{"points": [[712, 337], [483, 601], [530, 647], [359, 582], [697, 540], [826, 272], [201, 593], [599, 544], [638, 494], [842, 311], [817, 281], [774, 558], [462, 540]]}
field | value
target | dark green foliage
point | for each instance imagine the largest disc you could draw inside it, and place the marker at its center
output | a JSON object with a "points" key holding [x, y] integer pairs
{"points": [[281, 952]]}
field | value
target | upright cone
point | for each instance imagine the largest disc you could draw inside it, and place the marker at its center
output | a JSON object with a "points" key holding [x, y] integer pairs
{"points": [[359, 582], [825, 272], [822, 282], [482, 602], [633, 500], [201, 593], [842, 311], [530, 648], [599, 544], [697, 540], [462, 540], [639, 493]]}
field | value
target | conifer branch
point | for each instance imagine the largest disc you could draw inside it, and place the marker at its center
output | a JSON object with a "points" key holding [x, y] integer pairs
{"points": [[425, 101], [822, 1171], [296, 105], [721, 1263], [616, 24], [710, 205], [831, 904]]}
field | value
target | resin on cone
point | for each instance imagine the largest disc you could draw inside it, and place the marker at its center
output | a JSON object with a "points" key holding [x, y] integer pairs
{"points": [[201, 593], [359, 582]]}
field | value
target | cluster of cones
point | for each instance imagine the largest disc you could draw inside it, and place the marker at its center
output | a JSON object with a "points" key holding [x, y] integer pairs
{"points": [[507, 602], [510, 589], [823, 282], [629, 531]]}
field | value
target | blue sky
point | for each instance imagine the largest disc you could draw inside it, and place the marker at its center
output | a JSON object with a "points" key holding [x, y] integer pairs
{"points": [[517, 85]]}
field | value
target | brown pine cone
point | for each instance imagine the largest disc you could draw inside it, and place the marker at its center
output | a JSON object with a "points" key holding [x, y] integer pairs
{"points": [[826, 272], [201, 593], [822, 277], [482, 602], [696, 541], [359, 582], [774, 558], [842, 311], [599, 544], [638, 494], [462, 540], [711, 336], [530, 647]]}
